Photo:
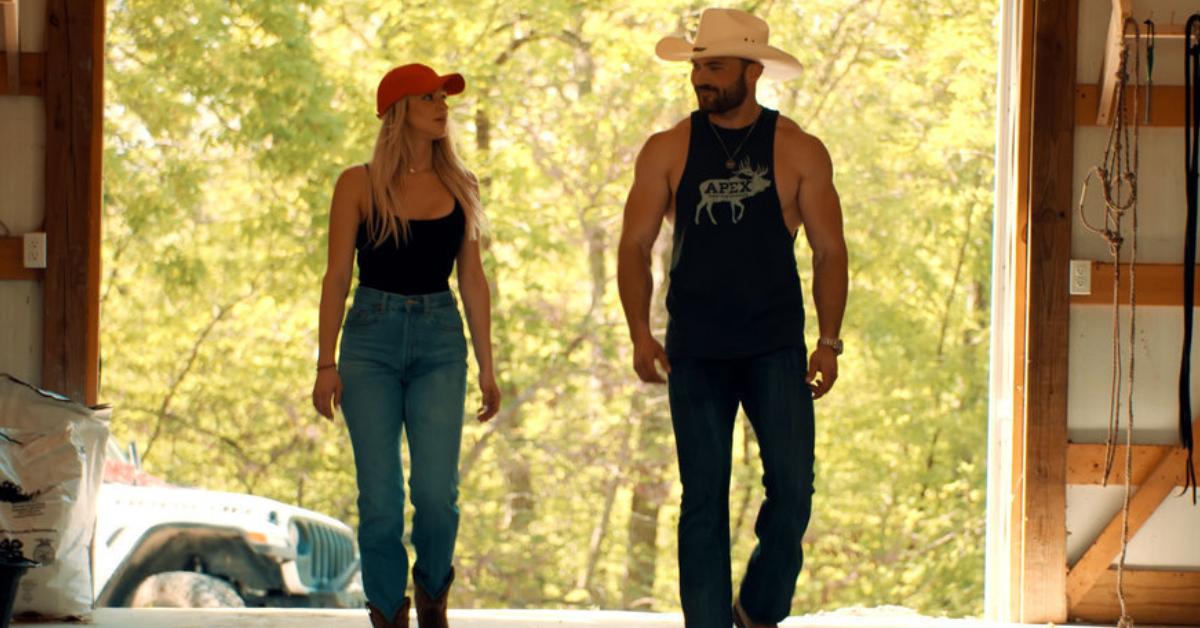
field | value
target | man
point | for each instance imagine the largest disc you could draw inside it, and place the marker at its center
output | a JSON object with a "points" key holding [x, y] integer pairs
{"points": [[738, 181]]}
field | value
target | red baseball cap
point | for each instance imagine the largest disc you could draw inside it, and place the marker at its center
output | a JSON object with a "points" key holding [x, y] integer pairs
{"points": [[410, 79]]}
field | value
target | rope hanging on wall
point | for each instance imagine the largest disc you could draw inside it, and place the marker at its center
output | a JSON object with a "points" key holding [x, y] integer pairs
{"points": [[1191, 111], [1117, 176]]}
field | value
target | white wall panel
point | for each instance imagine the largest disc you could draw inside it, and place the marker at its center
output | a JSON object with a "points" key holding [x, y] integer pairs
{"points": [[1162, 208], [1165, 542], [21, 330]]}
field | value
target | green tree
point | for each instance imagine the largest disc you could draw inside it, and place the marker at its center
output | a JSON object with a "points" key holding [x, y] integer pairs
{"points": [[227, 123]]}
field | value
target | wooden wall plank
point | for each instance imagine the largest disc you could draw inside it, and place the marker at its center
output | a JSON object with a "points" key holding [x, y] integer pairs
{"points": [[32, 68], [1166, 105], [12, 263], [1052, 148], [73, 100], [1152, 597], [1157, 284], [1092, 565]]}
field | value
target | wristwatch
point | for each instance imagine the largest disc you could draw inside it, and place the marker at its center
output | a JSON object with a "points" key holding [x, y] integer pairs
{"points": [[832, 343]]}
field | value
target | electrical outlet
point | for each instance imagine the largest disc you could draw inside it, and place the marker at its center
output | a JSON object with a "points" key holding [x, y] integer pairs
{"points": [[35, 250], [1081, 276]]}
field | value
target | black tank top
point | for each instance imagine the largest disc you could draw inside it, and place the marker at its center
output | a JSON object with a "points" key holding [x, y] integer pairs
{"points": [[422, 265], [735, 291]]}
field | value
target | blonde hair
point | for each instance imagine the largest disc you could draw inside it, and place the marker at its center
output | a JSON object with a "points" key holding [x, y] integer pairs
{"points": [[393, 154]]}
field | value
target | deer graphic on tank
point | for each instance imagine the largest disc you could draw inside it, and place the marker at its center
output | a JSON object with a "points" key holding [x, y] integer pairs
{"points": [[745, 182]]}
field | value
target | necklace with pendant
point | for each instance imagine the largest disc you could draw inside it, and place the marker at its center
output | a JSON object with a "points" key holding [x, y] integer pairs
{"points": [[730, 162]]}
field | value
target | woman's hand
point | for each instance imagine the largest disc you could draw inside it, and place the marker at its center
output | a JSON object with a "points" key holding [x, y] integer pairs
{"points": [[491, 397], [327, 392]]}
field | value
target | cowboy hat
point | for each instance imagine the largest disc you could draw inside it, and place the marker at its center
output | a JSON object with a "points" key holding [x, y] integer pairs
{"points": [[731, 33]]}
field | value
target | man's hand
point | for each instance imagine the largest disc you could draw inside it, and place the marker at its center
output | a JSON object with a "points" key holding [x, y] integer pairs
{"points": [[648, 353], [823, 361]]}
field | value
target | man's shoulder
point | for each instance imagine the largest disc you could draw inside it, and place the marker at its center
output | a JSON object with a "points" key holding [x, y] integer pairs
{"points": [[665, 146], [791, 131], [798, 144], [670, 138]]}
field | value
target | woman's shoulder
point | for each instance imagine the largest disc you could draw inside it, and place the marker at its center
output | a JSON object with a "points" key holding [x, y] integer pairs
{"points": [[354, 183], [355, 174]]}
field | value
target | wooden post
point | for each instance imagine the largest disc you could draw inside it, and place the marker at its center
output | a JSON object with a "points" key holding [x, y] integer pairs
{"points": [[74, 113], [1020, 305], [1043, 538]]}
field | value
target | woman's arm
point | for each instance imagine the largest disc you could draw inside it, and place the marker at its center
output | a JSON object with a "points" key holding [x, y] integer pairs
{"points": [[344, 216], [477, 304]]}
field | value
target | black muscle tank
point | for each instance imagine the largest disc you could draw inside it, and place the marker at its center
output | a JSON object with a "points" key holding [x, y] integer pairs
{"points": [[735, 291], [422, 265]]}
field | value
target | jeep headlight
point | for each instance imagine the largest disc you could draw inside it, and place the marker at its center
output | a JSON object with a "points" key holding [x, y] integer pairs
{"points": [[299, 537]]}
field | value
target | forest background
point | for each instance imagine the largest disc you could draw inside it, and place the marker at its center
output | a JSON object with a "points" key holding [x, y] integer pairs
{"points": [[227, 123]]}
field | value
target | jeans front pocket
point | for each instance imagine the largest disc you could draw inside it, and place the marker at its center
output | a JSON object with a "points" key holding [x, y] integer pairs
{"points": [[446, 319], [361, 316]]}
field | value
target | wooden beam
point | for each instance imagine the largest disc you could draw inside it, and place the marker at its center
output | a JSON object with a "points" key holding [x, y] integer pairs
{"points": [[1166, 105], [1085, 464], [1121, 10], [32, 68], [12, 262], [1152, 597], [73, 100], [1157, 284], [1161, 31], [1156, 487], [1052, 147]]}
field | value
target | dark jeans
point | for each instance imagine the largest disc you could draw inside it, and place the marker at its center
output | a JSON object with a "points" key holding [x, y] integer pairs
{"points": [[704, 395], [404, 366]]}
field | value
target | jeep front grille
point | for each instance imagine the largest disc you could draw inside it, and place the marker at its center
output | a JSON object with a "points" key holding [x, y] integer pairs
{"points": [[324, 554]]}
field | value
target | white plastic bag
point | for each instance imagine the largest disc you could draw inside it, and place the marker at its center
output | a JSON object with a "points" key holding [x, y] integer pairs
{"points": [[41, 474], [52, 454]]}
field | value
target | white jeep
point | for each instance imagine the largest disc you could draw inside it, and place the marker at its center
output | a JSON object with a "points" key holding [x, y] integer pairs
{"points": [[162, 545]]}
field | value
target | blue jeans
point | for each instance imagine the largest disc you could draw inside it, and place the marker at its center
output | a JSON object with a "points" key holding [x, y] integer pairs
{"points": [[704, 395], [403, 365]]}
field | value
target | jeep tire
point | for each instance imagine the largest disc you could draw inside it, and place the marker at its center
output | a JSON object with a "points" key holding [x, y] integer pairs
{"points": [[185, 589]]}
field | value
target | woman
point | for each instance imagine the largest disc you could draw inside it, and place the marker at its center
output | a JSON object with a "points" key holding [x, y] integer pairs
{"points": [[412, 214]]}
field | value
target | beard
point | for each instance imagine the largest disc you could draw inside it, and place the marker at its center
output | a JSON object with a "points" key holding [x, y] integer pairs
{"points": [[722, 100]]}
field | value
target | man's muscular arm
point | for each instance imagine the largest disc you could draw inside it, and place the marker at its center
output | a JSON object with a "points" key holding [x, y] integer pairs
{"points": [[644, 212], [821, 212]]}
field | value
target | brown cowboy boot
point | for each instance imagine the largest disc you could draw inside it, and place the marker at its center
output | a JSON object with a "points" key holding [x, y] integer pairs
{"points": [[431, 613], [742, 620], [399, 620]]}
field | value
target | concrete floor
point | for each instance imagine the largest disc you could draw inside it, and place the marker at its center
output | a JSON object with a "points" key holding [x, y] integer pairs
{"points": [[279, 618]]}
